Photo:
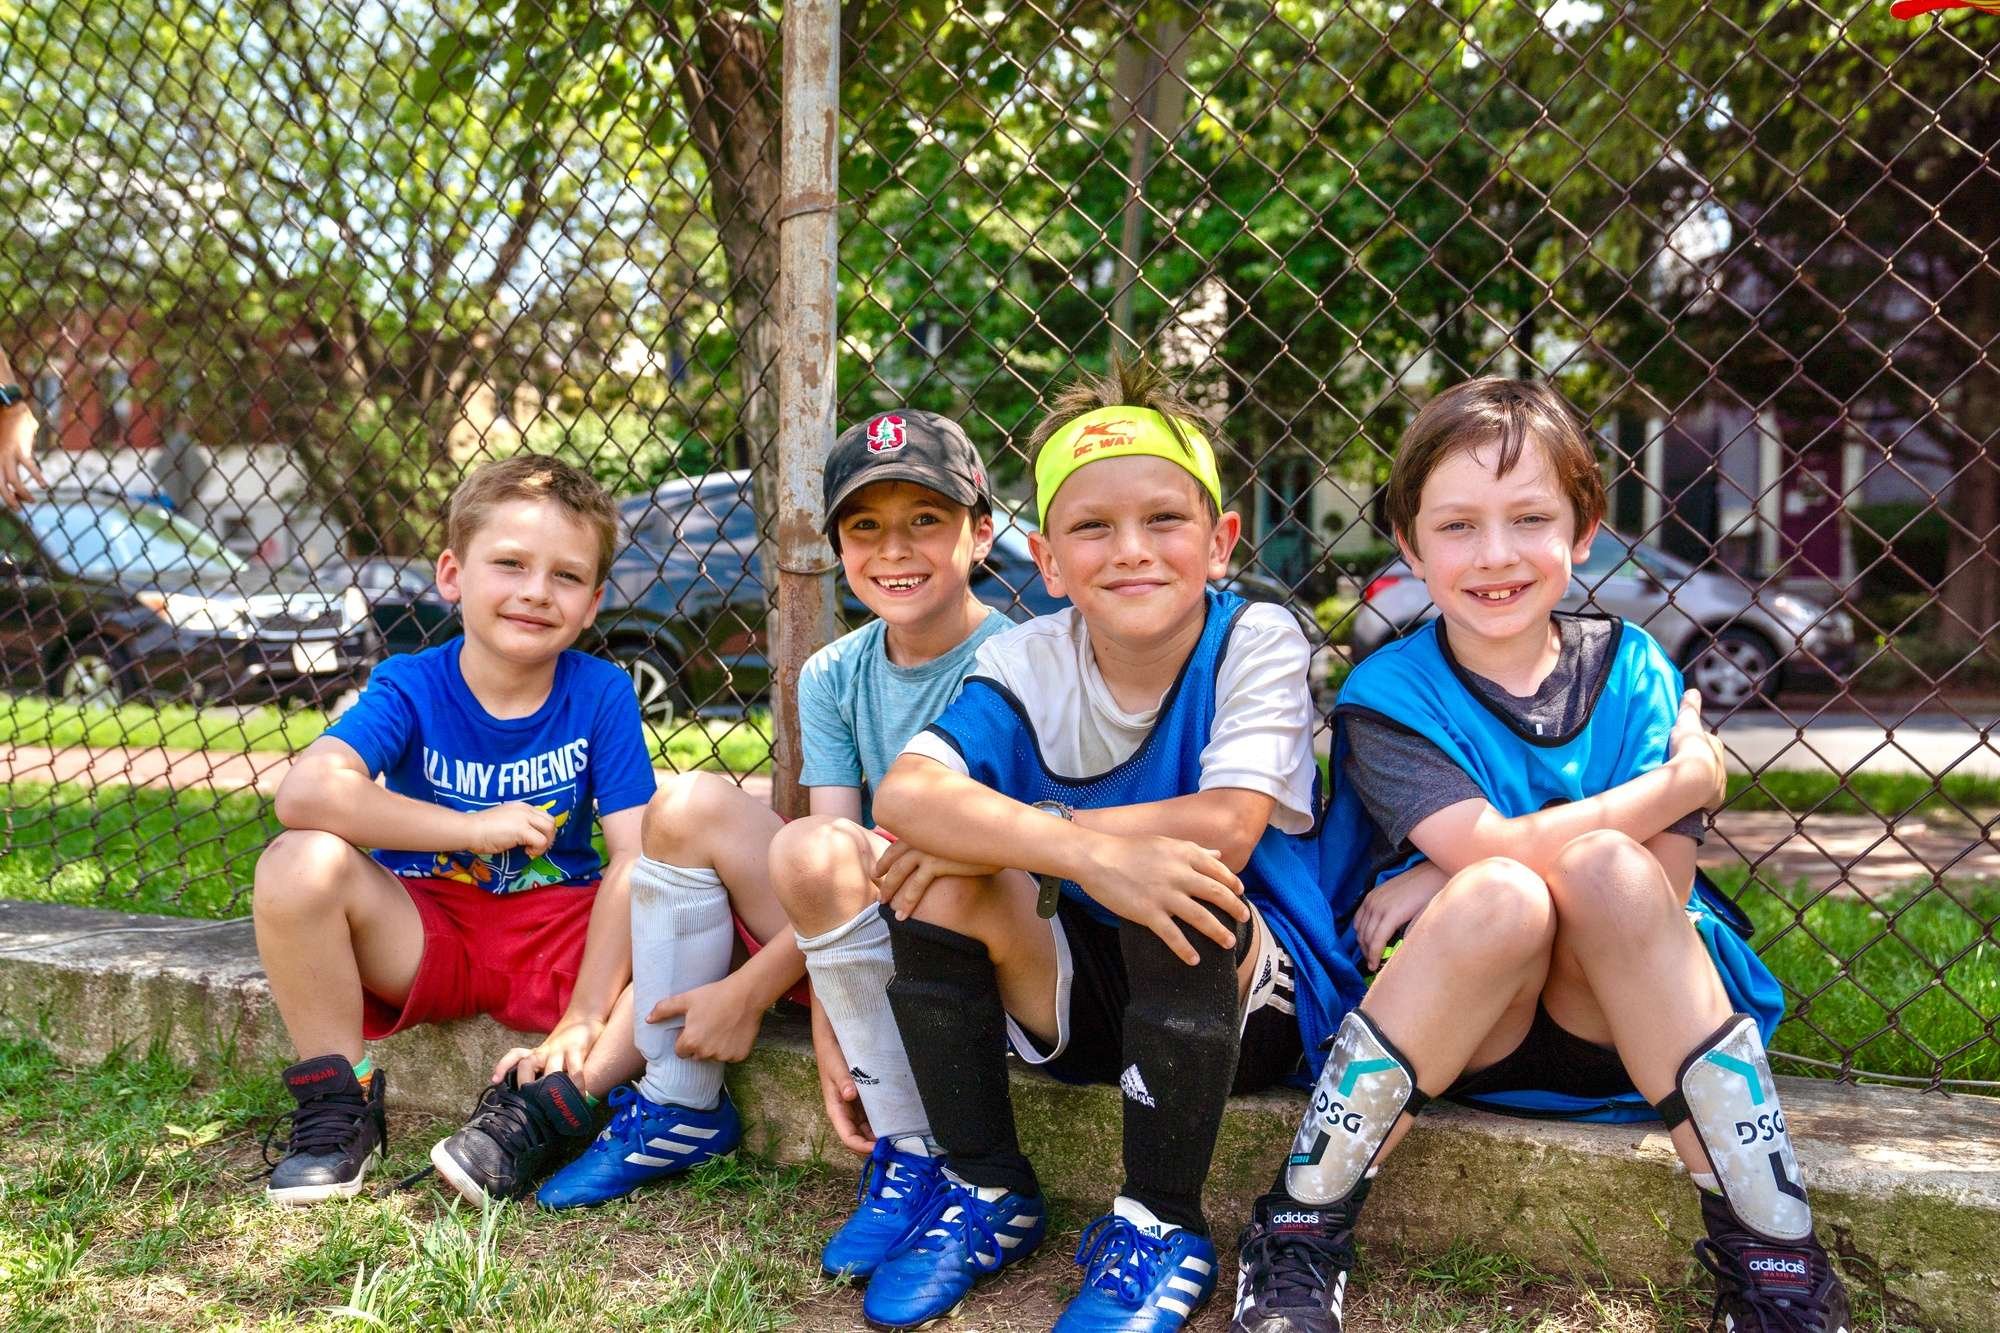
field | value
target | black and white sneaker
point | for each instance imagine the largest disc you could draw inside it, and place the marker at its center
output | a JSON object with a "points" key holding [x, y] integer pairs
{"points": [[1766, 1286], [335, 1127], [514, 1136], [1291, 1274]]}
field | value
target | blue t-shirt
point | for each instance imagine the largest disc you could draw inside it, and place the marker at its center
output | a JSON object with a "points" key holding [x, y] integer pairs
{"points": [[583, 750], [857, 709]]}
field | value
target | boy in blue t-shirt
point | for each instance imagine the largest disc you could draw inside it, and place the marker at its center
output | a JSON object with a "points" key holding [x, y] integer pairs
{"points": [[483, 893], [1536, 781], [909, 513]]}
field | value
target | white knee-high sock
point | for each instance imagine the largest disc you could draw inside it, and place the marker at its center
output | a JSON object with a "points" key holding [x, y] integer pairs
{"points": [[850, 967], [681, 938]]}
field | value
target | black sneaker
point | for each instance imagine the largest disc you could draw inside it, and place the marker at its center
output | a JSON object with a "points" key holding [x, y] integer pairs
{"points": [[335, 1127], [515, 1134], [1765, 1286], [1291, 1274]]}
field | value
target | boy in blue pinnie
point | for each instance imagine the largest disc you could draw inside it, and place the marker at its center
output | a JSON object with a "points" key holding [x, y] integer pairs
{"points": [[1148, 753], [1537, 781]]}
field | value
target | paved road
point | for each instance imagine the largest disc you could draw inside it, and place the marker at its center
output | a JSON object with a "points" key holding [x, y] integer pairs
{"points": [[1889, 741]]}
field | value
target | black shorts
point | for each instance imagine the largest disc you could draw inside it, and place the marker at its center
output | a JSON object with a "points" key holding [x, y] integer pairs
{"points": [[1550, 1058], [1098, 991]]}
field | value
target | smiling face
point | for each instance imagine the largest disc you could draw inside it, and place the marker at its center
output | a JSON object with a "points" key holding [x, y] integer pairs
{"points": [[908, 552], [1494, 551], [526, 582], [1131, 543]]}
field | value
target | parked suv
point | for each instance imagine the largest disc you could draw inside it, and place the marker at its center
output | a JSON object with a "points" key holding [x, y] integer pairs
{"points": [[103, 597], [1732, 642]]}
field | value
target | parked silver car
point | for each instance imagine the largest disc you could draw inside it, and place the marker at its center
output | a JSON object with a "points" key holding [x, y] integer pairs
{"points": [[1733, 642]]}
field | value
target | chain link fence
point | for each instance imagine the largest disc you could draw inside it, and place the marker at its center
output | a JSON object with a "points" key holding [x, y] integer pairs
{"points": [[276, 273]]}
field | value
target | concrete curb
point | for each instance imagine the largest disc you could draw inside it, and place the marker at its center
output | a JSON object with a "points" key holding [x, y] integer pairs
{"points": [[1906, 1186]]}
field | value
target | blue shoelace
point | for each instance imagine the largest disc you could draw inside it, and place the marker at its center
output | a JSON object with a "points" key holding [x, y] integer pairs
{"points": [[971, 1225], [1118, 1258]]}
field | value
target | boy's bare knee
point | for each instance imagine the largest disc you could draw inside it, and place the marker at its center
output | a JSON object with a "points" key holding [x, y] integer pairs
{"points": [[686, 814], [1498, 908], [821, 864], [1599, 866], [301, 869]]}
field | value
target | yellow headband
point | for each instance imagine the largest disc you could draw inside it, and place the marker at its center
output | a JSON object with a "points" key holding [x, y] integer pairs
{"points": [[1120, 432]]}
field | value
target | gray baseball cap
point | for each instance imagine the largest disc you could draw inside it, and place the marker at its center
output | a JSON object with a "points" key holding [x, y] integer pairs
{"points": [[906, 444]]}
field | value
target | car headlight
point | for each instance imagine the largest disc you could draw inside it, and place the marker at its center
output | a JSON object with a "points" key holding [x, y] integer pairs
{"points": [[206, 615], [1794, 611], [353, 609]]}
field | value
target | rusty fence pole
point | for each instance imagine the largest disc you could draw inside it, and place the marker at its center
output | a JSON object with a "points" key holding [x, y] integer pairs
{"points": [[808, 234]]}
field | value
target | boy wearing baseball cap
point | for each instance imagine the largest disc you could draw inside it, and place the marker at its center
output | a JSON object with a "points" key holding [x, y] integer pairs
{"points": [[1148, 755], [908, 510]]}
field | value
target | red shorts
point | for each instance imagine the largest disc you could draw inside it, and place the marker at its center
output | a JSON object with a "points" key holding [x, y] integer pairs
{"points": [[511, 955], [800, 994]]}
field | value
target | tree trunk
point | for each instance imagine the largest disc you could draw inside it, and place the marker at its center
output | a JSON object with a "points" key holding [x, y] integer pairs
{"points": [[729, 94]]}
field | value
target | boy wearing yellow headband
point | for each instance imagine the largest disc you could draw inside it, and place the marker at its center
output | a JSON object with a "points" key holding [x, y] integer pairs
{"points": [[1147, 754]]}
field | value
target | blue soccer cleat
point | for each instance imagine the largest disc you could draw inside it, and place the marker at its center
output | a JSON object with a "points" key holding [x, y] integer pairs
{"points": [[1136, 1280], [962, 1239], [644, 1142], [895, 1194]]}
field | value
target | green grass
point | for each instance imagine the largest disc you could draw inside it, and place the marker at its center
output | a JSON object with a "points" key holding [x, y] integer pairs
{"points": [[1904, 982], [1880, 794], [733, 745], [129, 1198]]}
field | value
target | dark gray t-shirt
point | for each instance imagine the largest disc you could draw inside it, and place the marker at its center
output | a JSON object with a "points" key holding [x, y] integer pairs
{"points": [[1403, 779]]}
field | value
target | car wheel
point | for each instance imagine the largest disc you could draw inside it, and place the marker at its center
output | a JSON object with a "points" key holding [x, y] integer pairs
{"points": [[92, 677], [655, 679], [1736, 667]]}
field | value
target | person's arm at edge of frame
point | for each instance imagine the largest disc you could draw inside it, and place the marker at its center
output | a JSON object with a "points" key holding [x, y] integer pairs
{"points": [[17, 446], [1642, 808], [1154, 880]]}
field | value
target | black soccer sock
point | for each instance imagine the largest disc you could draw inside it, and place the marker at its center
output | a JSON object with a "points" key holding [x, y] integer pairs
{"points": [[1181, 1041], [946, 998]]}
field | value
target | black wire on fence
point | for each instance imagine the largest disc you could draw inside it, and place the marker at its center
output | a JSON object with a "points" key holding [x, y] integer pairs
{"points": [[275, 276]]}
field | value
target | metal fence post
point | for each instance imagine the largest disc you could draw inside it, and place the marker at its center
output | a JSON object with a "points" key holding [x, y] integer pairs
{"points": [[802, 618]]}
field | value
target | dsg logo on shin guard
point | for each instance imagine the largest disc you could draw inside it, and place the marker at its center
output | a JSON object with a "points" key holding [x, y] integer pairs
{"points": [[1764, 1129]]}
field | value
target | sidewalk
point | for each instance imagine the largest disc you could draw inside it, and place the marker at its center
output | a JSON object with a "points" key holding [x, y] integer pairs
{"points": [[1844, 853]]}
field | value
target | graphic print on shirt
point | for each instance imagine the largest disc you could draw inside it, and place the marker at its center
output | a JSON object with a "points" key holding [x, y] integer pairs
{"points": [[550, 781]]}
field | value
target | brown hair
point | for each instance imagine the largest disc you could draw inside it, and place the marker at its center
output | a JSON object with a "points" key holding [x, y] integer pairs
{"points": [[532, 477], [1137, 383], [1484, 411]]}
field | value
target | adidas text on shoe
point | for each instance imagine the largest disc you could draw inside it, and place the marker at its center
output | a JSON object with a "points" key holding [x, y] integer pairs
{"points": [[645, 1141], [1139, 1275], [896, 1184], [963, 1238], [335, 1128], [1292, 1267], [514, 1133], [1767, 1286]]}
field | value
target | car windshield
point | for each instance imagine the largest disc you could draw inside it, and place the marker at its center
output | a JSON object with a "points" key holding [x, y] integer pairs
{"points": [[114, 538]]}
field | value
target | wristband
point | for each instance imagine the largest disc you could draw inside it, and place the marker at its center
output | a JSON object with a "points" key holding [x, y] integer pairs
{"points": [[1050, 887], [11, 395]]}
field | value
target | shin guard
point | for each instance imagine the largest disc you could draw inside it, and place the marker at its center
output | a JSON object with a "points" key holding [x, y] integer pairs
{"points": [[1726, 1091], [1364, 1088]]}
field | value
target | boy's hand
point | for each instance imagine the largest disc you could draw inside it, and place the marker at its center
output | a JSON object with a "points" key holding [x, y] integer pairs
{"points": [[720, 1023], [837, 1090], [1695, 747], [561, 1052], [903, 875], [1392, 907], [505, 827], [1162, 882]]}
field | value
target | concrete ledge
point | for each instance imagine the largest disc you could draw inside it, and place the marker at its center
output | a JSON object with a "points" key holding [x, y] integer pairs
{"points": [[1906, 1186]]}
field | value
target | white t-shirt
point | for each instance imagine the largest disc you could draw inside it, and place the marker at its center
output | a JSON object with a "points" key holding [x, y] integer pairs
{"points": [[1261, 740]]}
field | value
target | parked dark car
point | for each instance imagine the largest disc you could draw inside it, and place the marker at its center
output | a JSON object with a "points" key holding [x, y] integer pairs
{"points": [[103, 598], [684, 605]]}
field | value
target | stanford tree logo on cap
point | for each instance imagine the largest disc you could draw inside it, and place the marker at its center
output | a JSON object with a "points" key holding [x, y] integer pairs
{"points": [[886, 435]]}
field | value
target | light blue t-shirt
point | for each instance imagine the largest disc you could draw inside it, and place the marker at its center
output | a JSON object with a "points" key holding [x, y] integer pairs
{"points": [[857, 709], [581, 754]]}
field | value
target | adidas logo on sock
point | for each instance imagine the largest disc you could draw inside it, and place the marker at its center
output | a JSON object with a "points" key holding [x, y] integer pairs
{"points": [[862, 1076], [1134, 1086]]}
